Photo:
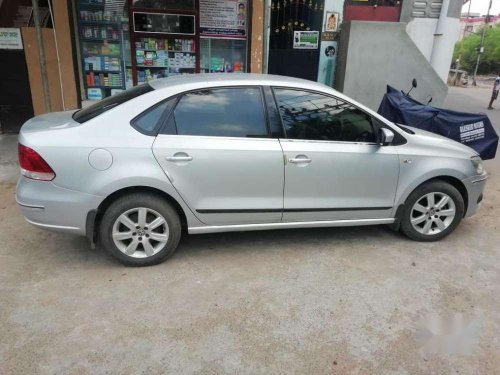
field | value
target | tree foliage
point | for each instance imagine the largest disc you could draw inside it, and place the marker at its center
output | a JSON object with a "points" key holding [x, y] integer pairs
{"points": [[467, 50]]}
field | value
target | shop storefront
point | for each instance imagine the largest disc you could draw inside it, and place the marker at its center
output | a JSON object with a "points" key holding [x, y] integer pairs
{"points": [[123, 43]]}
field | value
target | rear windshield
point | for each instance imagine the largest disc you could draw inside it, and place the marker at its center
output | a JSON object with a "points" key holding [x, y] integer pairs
{"points": [[106, 104]]}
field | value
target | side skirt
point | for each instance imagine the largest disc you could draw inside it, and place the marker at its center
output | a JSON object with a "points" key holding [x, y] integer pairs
{"points": [[287, 225]]}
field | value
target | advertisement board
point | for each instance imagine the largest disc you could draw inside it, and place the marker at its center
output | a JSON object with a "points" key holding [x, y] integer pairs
{"points": [[223, 18], [331, 21], [305, 39], [327, 60], [10, 38]]}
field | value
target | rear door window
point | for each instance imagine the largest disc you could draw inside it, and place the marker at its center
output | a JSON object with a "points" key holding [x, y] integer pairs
{"points": [[94, 110], [220, 112]]}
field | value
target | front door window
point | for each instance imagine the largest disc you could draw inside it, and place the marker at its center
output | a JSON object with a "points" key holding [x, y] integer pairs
{"points": [[313, 116]]}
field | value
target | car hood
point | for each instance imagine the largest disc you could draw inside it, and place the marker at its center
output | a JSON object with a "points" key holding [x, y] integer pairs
{"points": [[433, 140]]}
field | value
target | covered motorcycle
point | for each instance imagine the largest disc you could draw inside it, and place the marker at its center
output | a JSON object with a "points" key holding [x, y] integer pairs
{"points": [[472, 129]]}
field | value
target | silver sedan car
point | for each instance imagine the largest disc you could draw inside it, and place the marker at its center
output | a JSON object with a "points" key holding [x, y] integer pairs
{"points": [[239, 152]]}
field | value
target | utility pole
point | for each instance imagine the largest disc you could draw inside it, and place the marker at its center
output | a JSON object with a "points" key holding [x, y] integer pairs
{"points": [[41, 54], [481, 47]]}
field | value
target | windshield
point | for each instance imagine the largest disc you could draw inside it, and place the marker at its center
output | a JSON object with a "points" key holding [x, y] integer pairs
{"points": [[106, 104]]}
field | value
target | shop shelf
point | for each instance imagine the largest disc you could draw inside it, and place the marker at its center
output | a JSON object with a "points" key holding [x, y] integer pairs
{"points": [[101, 54], [103, 71], [100, 22], [152, 66], [166, 50], [104, 87], [83, 39]]}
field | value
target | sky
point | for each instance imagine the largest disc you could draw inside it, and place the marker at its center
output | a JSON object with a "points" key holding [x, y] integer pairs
{"points": [[481, 6]]}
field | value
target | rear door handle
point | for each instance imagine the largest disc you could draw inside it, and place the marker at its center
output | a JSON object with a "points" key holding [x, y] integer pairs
{"points": [[299, 160], [179, 158]]}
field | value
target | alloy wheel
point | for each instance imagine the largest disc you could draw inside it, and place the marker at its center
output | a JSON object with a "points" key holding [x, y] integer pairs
{"points": [[140, 232], [433, 213]]}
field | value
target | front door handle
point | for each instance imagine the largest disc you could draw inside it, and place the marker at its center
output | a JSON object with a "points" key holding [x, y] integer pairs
{"points": [[300, 160], [179, 158]]}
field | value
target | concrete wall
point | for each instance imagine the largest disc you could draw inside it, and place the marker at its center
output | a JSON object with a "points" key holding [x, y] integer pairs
{"points": [[375, 54], [434, 27], [446, 36], [421, 31]]}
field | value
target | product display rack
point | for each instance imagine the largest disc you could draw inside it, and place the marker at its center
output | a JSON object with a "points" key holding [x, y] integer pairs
{"points": [[102, 51], [157, 57], [158, 53]]}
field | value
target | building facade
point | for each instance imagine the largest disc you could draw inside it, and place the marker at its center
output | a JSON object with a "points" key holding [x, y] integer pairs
{"points": [[473, 22], [123, 43]]}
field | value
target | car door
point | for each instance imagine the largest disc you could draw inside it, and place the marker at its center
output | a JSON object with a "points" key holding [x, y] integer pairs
{"points": [[335, 170], [216, 150]]}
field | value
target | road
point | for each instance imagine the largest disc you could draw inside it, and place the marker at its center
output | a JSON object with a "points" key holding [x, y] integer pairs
{"points": [[315, 301]]}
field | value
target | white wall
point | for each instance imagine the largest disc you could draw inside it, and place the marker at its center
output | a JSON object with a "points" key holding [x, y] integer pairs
{"points": [[442, 51], [421, 31], [436, 37]]}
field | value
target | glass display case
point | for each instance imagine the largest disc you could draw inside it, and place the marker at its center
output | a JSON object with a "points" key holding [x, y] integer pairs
{"points": [[163, 44], [102, 35], [223, 55], [164, 23], [158, 57]]}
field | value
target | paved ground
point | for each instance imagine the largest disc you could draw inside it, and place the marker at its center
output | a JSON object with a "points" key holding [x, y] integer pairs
{"points": [[344, 301]]}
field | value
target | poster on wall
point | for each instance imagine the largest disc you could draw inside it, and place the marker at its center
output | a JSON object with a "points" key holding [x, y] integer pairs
{"points": [[223, 18], [305, 39], [331, 21], [10, 38], [327, 59]]}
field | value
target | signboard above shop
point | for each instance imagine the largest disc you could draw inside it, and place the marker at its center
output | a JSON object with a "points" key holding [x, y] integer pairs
{"points": [[223, 18]]}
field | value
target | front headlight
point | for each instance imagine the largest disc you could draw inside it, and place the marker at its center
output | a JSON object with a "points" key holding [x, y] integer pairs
{"points": [[477, 162]]}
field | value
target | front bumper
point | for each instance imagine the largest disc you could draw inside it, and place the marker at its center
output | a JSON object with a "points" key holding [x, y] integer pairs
{"points": [[475, 187], [54, 208]]}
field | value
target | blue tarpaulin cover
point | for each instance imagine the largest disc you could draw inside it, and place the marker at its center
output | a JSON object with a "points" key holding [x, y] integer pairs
{"points": [[472, 129]]}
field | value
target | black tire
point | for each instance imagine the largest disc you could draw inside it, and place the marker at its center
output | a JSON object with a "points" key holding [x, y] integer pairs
{"points": [[436, 186], [129, 202]]}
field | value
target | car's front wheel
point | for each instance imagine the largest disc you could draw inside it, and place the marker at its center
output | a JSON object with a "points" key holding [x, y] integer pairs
{"points": [[140, 229], [432, 211]]}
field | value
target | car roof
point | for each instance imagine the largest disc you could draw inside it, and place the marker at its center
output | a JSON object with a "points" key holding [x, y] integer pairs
{"points": [[225, 79]]}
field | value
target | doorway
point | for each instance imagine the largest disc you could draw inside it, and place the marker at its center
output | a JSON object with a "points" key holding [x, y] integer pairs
{"points": [[15, 97], [294, 38]]}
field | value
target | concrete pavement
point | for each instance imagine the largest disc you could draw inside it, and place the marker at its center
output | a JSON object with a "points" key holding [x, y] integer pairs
{"points": [[331, 300]]}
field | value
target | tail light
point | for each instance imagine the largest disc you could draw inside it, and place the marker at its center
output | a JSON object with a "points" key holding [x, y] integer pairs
{"points": [[33, 166]]}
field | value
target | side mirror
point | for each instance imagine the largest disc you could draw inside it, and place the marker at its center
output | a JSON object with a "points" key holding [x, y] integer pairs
{"points": [[385, 136], [413, 86]]}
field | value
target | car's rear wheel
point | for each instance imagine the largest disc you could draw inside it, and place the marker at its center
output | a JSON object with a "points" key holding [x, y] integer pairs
{"points": [[432, 211], [140, 229]]}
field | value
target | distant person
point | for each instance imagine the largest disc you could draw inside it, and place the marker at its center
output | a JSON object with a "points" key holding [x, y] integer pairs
{"points": [[494, 94]]}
